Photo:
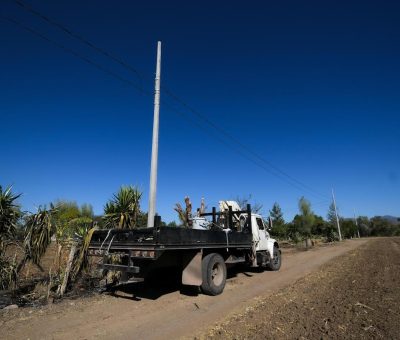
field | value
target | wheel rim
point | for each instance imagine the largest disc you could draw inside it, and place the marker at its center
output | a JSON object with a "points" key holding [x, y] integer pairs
{"points": [[217, 274]]}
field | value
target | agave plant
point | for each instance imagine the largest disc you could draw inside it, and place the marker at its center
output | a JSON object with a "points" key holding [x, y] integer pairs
{"points": [[123, 210], [9, 215]]}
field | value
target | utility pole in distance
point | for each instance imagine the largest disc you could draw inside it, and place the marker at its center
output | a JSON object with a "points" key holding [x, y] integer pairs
{"points": [[154, 147], [337, 217], [355, 220]]}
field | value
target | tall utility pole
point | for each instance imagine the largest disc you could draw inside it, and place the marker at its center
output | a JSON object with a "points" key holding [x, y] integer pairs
{"points": [[337, 217], [154, 147], [355, 220]]}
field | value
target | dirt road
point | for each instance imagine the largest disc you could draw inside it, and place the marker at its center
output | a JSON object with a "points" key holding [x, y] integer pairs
{"points": [[355, 296], [162, 311]]}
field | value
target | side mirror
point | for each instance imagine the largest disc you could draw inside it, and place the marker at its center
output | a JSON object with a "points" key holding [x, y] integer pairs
{"points": [[269, 223]]}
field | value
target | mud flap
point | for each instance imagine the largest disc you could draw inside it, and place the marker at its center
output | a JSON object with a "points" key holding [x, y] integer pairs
{"points": [[191, 274]]}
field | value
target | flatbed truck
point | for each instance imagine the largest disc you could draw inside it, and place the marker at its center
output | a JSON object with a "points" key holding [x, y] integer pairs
{"points": [[202, 255]]}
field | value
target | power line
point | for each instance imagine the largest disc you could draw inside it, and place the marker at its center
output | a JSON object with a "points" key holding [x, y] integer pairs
{"points": [[168, 92], [276, 171], [76, 54], [234, 139], [230, 146], [79, 37], [321, 204]]}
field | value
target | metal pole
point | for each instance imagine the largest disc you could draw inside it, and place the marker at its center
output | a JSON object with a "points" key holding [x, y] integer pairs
{"points": [[154, 148], [337, 217]]}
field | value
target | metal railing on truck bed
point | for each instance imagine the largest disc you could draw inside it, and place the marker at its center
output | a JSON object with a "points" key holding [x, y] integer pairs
{"points": [[163, 238], [167, 238]]}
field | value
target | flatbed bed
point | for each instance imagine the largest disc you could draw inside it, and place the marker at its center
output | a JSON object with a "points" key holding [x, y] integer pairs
{"points": [[163, 238]]}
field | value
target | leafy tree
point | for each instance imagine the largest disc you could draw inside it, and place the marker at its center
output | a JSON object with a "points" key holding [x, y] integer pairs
{"points": [[86, 210], [382, 227], [65, 212], [348, 228], [318, 225], [330, 229], [123, 210], [331, 215], [306, 219], [364, 225], [276, 215], [142, 220], [172, 224], [292, 230], [279, 228]]}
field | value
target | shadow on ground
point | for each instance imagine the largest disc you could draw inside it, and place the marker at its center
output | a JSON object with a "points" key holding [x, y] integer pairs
{"points": [[166, 281]]}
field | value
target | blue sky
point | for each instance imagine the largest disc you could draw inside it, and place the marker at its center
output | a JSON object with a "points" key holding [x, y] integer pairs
{"points": [[311, 87]]}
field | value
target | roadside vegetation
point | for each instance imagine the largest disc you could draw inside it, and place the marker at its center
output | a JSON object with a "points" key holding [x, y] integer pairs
{"points": [[306, 224], [66, 227]]}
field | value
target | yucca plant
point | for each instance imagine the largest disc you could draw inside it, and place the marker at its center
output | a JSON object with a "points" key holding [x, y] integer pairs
{"points": [[39, 229], [181, 214], [9, 215], [83, 229], [8, 272], [70, 221], [184, 215], [123, 210], [82, 259]]}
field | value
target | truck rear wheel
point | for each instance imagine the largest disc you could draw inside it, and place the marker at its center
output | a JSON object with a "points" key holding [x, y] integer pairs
{"points": [[275, 263], [213, 274]]}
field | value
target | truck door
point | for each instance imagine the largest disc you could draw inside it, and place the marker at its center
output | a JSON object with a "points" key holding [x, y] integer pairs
{"points": [[262, 234]]}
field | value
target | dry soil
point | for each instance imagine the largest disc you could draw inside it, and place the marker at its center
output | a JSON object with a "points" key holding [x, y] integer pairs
{"points": [[352, 295]]}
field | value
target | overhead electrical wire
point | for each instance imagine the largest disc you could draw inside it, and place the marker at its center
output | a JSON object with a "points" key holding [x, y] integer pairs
{"points": [[87, 60], [323, 203], [170, 107], [74, 53], [275, 170], [234, 139], [229, 145], [79, 37]]}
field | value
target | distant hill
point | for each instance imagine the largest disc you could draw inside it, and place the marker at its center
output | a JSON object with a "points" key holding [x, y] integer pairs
{"points": [[391, 219]]}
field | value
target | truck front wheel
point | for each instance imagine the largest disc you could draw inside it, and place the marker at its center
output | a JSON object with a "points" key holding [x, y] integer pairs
{"points": [[275, 263], [214, 274]]}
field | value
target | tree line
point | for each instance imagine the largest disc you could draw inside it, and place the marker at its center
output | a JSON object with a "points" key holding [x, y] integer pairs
{"points": [[307, 224]]}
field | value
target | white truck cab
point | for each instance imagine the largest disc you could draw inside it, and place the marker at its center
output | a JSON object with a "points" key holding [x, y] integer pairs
{"points": [[266, 250], [262, 241]]}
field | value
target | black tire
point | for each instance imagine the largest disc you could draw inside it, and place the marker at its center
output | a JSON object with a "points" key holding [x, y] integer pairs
{"points": [[275, 263], [214, 274]]}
